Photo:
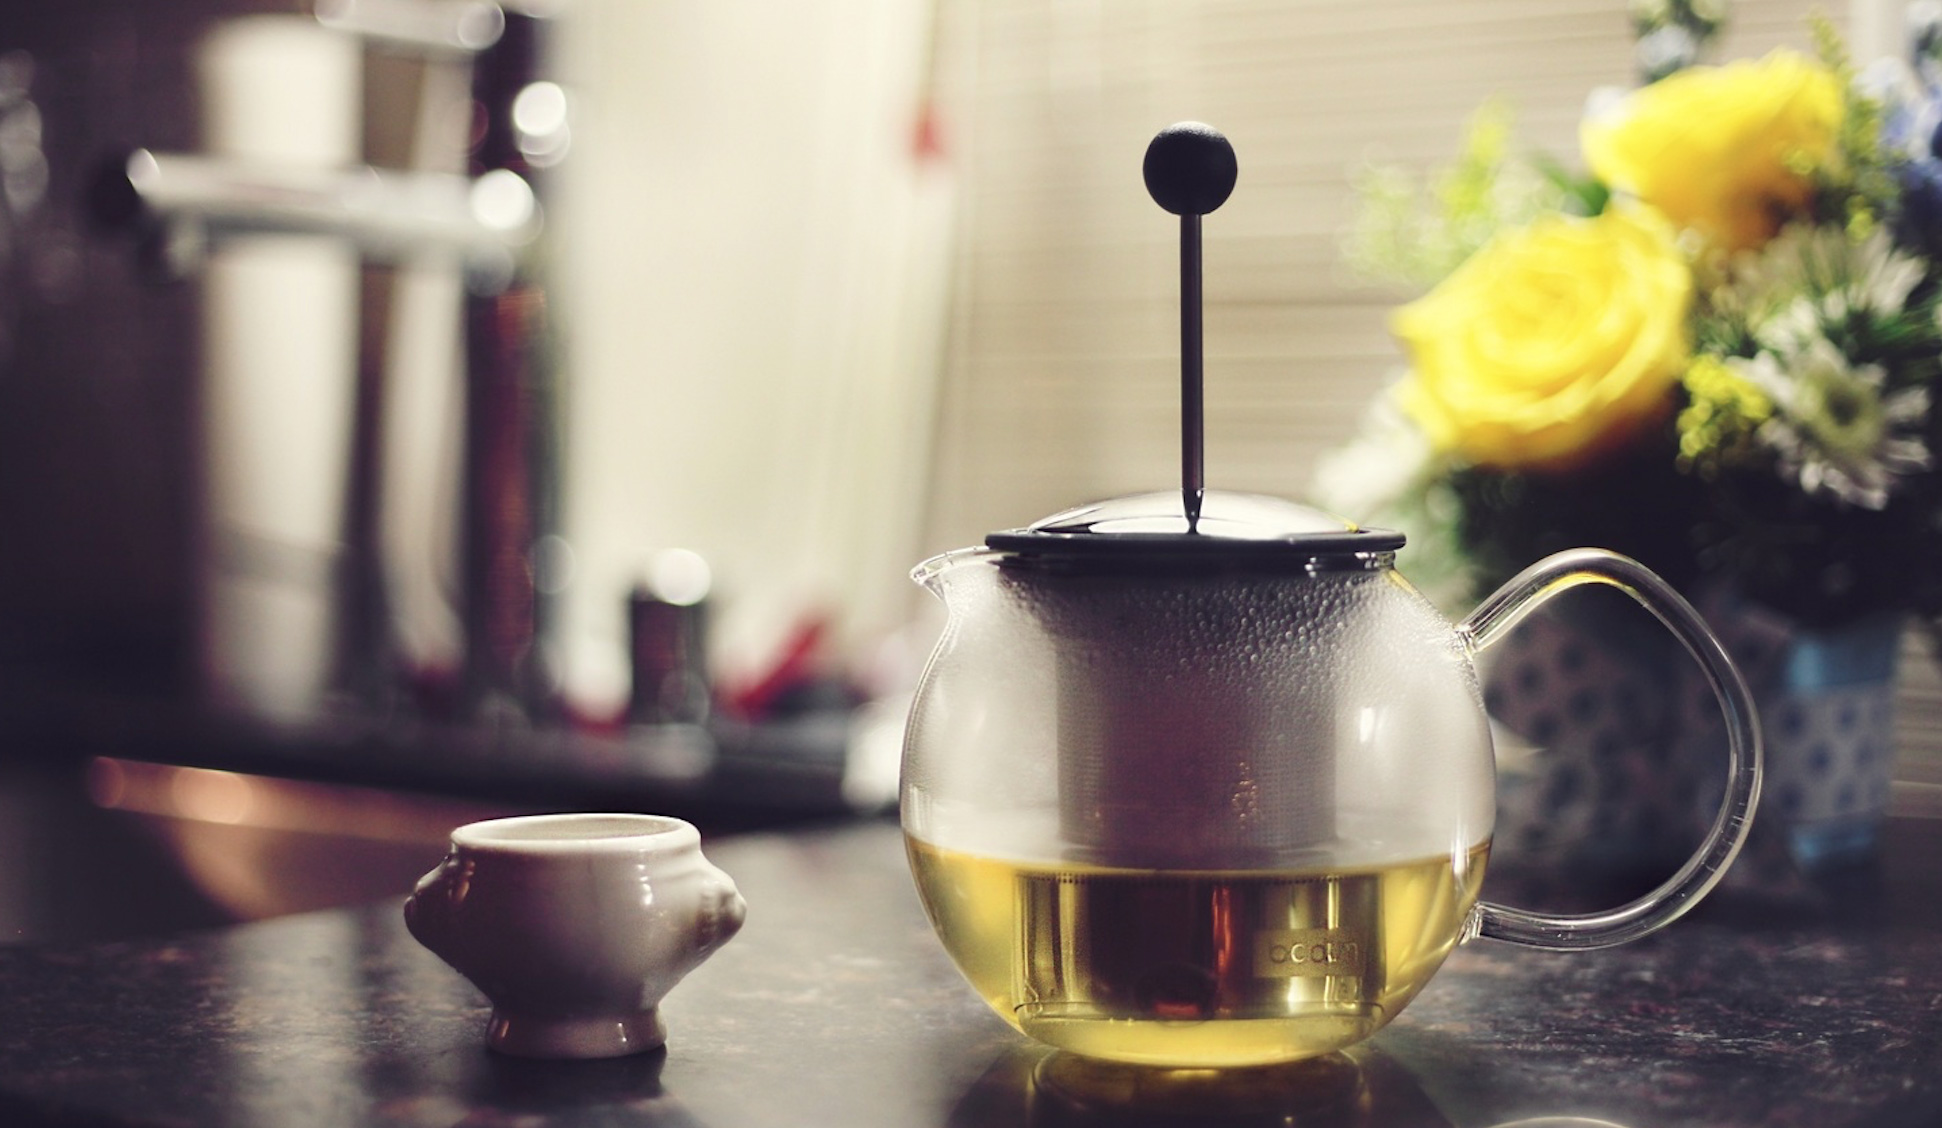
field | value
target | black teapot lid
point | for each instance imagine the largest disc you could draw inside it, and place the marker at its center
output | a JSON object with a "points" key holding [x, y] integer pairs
{"points": [[1230, 527]]}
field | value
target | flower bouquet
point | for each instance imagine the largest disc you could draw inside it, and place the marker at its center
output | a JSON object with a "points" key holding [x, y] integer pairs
{"points": [[1716, 349]]}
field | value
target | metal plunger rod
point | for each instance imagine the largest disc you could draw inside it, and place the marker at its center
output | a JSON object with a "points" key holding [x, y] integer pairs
{"points": [[1189, 170], [1193, 431]]}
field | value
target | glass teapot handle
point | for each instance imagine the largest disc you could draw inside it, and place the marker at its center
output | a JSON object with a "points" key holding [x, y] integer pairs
{"points": [[1504, 610]]}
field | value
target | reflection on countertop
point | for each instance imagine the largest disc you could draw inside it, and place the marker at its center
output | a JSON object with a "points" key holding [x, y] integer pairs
{"points": [[123, 820], [837, 1006], [112, 849]]}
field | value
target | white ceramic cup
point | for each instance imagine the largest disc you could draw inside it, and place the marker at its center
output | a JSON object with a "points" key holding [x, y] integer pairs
{"points": [[575, 926]]}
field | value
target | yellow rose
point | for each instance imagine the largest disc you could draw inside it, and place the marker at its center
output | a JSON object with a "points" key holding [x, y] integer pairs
{"points": [[1551, 342], [1727, 151]]}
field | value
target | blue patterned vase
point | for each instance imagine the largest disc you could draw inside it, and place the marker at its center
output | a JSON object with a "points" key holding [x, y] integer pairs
{"points": [[1613, 754]]}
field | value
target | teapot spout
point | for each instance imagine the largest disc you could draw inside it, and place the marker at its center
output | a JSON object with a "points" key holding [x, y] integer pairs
{"points": [[932, 574]]}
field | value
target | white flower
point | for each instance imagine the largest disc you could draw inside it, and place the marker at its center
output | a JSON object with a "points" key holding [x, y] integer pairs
{"points": [[1838, 276], [1835, 427], [1391, 477], [1666, 49], [1388, 462]]}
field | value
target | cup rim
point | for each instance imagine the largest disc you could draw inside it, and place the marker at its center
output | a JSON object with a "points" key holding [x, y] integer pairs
{"points": [[576, 833]]}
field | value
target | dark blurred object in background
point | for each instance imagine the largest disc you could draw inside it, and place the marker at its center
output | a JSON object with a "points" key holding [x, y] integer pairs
{"points": [[98, 479]]}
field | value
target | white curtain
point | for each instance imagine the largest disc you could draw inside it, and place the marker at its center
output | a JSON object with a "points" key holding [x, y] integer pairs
{"points": [[755, 256]]}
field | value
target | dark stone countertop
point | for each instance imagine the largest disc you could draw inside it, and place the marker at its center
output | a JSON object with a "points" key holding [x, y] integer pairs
{"points": [[837, 1007]]}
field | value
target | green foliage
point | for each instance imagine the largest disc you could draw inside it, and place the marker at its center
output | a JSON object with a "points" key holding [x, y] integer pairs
{"points": [[1415, 231]]}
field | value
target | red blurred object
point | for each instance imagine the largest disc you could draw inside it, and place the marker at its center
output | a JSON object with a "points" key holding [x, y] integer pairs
{"points": [[798, 666]]}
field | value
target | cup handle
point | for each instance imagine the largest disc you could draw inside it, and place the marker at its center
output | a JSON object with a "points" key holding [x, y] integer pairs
{"points": [[1496, 616], [721, 913]]}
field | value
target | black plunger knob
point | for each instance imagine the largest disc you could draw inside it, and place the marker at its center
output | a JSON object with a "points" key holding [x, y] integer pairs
{"points": [[1190, 168]]}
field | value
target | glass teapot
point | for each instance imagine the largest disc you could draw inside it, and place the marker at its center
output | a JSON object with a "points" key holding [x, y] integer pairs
{"points": [[1198, 779], [1224, 796]]}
